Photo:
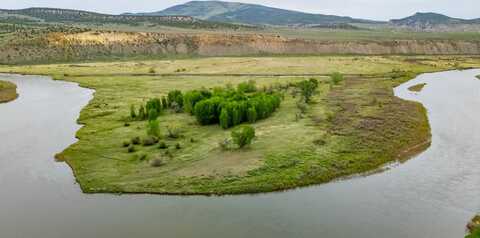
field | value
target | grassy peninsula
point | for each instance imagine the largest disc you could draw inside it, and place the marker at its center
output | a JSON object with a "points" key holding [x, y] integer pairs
{"points": [[351, 126], [8, 91]]}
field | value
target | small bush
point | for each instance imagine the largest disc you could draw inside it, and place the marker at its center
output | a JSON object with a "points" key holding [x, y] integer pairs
{"points": [[243, 136], [131, 149], [175, 96], [247, 87], [307, 89], [174, 131], [251, 115], [142, 157], [133, 113], [151, 70], [149, 141], [224, 119], [162, 145], [142, 113], [153, 128], [336, 78], [126, 144], [156, 162], [178, 146], [136, 140]]}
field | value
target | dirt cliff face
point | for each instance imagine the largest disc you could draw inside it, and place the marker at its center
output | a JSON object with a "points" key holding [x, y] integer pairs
{"points": [[59, 47]]}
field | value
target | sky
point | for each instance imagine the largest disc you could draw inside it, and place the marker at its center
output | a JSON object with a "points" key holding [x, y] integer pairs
{"points": [[368, 9]]}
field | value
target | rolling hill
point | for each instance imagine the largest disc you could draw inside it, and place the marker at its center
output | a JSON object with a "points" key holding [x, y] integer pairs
{"points": [[67, 16], [429, 20], [250, 14]]}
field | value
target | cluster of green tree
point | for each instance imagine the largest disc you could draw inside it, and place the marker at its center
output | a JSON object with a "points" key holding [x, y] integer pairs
{"points": [[229, 107], [225, 106]]}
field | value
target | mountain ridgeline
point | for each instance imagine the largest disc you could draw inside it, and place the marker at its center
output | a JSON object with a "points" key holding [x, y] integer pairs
{"points": [[429, 20], [67, 16], [252, 14]]}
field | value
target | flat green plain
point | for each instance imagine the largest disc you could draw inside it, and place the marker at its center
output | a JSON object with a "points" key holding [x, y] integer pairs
{"points": [[350, 128]]}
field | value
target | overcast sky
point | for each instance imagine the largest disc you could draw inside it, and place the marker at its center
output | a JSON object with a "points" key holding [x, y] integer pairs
{"points": [[370, 9]]}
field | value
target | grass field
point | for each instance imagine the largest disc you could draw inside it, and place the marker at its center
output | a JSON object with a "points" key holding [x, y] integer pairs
{"points": [[349, 128], [8, 91]]}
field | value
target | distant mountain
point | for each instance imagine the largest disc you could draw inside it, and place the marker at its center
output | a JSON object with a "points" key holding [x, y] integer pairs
{"points": [[432, 20], [250, 14], [67, 15], [55, 15]]}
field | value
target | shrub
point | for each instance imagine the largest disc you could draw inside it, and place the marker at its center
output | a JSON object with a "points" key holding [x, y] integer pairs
{"points": [[152, 115], [131, 149], [141, 113], [153, 108], [162, 145], [193, 97], [307, 89], [153, 128], [142, 157], [175, 96], [247, 87], [224, 119], [133, 114], [251, 115], [243, 135], [149, 141], [151, 70], [174, 131], [336, 78], [136, 140], [178, 146], [157, 162], [207, 111], [165, 103], [126, 144]]}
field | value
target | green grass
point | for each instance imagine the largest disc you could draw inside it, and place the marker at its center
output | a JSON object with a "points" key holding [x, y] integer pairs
{"points": [[417, 88], [474, 234], [349, 128], [8, 91]]}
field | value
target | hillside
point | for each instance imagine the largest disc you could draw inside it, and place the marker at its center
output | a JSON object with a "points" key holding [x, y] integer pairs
{"points": [[435, 21], [250, 14], [95, 45], [67, 16]]}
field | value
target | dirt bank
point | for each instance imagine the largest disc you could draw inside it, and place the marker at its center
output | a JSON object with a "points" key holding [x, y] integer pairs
{"points": [[59, 47]]}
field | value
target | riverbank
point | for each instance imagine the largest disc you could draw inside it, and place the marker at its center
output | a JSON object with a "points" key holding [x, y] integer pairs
{"points": [[8, 91], [353, 127], [474, 227]]}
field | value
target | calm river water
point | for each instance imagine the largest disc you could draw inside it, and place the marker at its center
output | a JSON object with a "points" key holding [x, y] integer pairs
{"points": [[432, 195]]}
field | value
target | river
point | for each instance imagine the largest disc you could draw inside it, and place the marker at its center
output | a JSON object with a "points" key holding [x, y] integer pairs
{"points": [[431, 195]]}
